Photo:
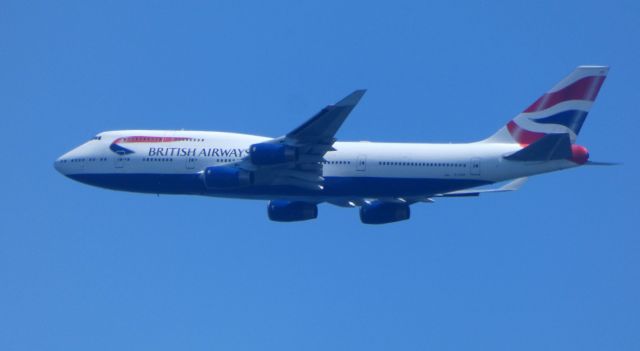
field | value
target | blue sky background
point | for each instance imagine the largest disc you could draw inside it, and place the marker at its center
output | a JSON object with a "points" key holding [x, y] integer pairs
{"points": [[555, 266]]}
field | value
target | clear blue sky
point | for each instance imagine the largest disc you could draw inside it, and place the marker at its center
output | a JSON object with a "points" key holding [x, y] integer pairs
{"points": [[555, 266]]}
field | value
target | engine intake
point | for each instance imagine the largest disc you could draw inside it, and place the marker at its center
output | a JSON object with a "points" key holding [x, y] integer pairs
{"points": [[379, 212], [269, 154], [226, 177], [291, 211]]}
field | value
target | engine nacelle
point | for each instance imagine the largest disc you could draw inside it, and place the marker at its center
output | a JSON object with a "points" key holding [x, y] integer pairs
{"points": [[379, 212], [270, 154], [291, 211], [226, 177]]}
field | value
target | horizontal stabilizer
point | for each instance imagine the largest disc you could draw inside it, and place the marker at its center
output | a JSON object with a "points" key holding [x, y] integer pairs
{"points": [[597, 163], [549, 147], [511, 186]]}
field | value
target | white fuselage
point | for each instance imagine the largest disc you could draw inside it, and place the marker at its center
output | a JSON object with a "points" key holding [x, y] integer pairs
{"points": [[171, 162]]}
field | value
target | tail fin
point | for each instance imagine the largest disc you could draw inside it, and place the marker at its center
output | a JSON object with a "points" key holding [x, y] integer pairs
{"points": [[563, 109], [549, 147]]}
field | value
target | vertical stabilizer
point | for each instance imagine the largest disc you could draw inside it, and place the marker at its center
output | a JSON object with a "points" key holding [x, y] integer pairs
{"points": [[563, 109]]}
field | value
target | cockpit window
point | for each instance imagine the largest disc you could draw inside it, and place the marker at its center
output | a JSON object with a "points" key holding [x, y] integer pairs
{"points": [[97, 137]]}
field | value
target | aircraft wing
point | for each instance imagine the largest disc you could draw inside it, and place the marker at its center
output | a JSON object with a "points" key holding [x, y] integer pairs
{"points": [[321, 128], [303, 148]]}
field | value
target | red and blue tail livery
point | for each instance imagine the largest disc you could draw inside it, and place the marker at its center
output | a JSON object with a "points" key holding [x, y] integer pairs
{"points": [[307, 167], [563, 109]]}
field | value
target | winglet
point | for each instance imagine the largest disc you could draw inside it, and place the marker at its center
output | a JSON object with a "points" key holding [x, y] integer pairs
{"points": [[351, 99], [322, 127]]}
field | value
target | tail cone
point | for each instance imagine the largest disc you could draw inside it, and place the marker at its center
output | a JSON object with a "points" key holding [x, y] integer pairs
{"points": [[579, 154]]}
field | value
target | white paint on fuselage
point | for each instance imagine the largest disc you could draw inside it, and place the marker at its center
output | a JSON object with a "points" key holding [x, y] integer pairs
{"points": [[392, 160]]}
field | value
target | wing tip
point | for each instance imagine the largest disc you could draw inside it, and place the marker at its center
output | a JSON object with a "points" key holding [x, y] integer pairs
{"points": [[352, 99]]}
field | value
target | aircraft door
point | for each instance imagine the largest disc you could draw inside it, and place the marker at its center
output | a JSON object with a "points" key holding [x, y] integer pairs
{"points": [[120, 162], [361, 163], [191, 162], [474, 166]]}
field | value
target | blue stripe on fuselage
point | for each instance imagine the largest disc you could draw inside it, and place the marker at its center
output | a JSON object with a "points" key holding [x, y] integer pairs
{"points": [[374, 187], [120, 150]]}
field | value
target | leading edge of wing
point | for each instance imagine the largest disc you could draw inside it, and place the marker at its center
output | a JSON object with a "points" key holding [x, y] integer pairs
{"points": [[322, 127], [310, 141]]}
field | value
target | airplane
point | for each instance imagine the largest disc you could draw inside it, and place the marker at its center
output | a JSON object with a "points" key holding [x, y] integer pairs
{"points": [[308, 166]]}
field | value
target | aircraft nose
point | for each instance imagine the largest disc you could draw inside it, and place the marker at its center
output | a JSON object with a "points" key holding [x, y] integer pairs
{"points": [[70, 162], [59, 165]]}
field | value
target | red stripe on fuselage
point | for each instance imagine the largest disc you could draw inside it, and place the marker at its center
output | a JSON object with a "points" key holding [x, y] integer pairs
{"points": [[149, 139]]}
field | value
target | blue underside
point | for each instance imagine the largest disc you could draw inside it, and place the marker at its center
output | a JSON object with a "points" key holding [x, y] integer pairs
{"points": [[192, 184]]}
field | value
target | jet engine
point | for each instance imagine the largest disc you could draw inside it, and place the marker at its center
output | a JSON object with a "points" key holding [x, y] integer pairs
{"points": [[379, 212], [270, 154], [291, 211], [226, 177]]}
